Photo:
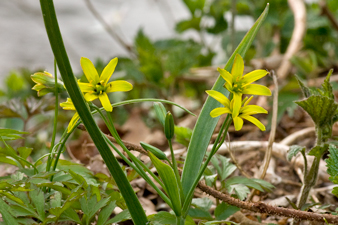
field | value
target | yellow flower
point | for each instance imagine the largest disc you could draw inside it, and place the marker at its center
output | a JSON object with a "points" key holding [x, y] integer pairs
{"points": [[98, 86], [245, 111], [238, 84], [68, 105]]}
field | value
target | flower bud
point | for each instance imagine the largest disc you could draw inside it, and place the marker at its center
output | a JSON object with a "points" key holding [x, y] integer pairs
{"points": [[169, 127], [157, 152]]}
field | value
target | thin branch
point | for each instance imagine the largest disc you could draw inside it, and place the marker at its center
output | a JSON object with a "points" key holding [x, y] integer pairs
{"points": [[299, 12], [109, 30], [259, 207], [325, 11]]}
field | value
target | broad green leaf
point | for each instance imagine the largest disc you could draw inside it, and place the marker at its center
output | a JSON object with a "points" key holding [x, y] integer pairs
{"points": [[183, 135], [163, 218], [5, 159], [78, 178], [168, 177], [320, 108], [202, 203], [10, 134], [198, 213], [205, 124], [70, 214], [38, 200], [6, 216], [11, 197], [243, 180], [24, 152], [122, 216], [293, 151], [318, 151], [211, 179], [224, 210], [105, 213]]}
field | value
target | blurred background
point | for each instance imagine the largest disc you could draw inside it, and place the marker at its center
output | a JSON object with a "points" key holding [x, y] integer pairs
{"points": [[168, 50]]}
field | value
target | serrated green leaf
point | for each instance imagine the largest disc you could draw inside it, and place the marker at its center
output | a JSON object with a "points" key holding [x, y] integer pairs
{"points": [[320, 108], [241, 190], [71, 215], [105, 213], [305, 90], [205, 124], [79, 179], [122, 216], [38, 200], [332, 163], [293, 151], [6, 216], [328, 92], [168, 177], [163, 218], [224, 210], [11, 197]]}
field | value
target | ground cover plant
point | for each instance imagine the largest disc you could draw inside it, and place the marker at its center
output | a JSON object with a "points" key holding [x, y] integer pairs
{"points": [[219, 177]]}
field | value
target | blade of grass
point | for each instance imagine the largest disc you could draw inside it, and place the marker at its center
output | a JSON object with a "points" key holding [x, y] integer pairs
{"points": [[205, 124], [55, 39]]}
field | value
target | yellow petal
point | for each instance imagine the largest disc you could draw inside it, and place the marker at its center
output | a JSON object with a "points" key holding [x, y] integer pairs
{"points": [[108, 71], [254, 75], [256, 89], [238, 122], [237, 101], [247, 101], [237, 68], [252, 109], [89, 71], [226, 76], [119, 85], [219, 111], [86, 87], [68, 105], [105, 102], [90, 97], [219, 97], [254, 121], [72, 122]]}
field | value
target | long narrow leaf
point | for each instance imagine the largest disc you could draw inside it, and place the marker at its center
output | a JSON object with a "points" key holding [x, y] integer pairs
{"points": [[205, 124], [56, 42]]}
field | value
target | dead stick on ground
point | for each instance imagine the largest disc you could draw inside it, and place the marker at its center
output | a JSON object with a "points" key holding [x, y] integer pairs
{"points": [[260, 207], [299, 12]]}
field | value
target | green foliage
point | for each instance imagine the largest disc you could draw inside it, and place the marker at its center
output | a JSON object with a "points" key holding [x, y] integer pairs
{"points": [[332, 167], [294, 150]]}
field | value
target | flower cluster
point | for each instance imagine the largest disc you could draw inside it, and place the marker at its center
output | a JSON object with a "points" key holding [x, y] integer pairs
{"points": [[238, 85], [97, 88]]}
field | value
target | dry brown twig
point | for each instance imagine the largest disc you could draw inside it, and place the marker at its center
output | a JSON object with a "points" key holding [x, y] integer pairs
{"points": [[299, 12], [259, 207]]}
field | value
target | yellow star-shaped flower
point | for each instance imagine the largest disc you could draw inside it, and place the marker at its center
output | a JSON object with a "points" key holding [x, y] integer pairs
{"points": [[244, 112], [68, 105], [98, 86], [238, 84]]}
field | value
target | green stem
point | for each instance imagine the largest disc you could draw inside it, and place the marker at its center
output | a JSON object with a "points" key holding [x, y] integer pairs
{"points": [[310, 177], [56, 110], [137, 213], [180, 220], [175, 168], [188, 198]]}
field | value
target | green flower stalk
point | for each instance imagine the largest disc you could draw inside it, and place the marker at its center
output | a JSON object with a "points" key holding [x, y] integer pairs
{"points": [[98, 86], [244, 112], [238, 84]]}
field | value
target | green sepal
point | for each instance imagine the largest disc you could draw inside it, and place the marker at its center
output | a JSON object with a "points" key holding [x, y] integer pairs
{"points": [[168, 177], [169, 127], [294, 150], [318, 150], [160, 112], [305, 90], [155, 151], [328, 92], [320, 108]]}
